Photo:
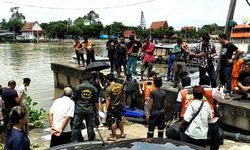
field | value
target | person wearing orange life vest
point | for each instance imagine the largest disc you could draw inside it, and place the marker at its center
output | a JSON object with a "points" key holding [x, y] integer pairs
{"points": [[79, 52], [214, 124], [147, 87], [185, 96]]}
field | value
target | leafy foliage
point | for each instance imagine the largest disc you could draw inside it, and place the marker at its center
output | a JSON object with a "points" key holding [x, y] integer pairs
{"points": [[36, 116]]}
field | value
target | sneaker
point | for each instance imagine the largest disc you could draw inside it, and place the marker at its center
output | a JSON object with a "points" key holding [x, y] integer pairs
{"points": [[227, 96]]}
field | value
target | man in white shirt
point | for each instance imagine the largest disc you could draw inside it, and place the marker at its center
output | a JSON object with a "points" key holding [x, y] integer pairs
{"points": [[196, 133], [22, 90], [61, 112]]}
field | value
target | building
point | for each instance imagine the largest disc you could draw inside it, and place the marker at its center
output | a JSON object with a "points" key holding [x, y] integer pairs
{"points": [[241, 31], [127, 33], [159, 25], [188, 28], [31, 31], [6, 35]]}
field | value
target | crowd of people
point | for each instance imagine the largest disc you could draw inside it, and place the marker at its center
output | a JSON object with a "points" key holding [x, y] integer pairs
{"points": [[101, 100]]}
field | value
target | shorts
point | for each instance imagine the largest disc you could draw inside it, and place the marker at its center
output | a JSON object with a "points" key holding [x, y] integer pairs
{"points": [[115, 116]]}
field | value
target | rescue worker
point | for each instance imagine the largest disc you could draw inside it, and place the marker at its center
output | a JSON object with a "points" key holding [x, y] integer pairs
{"points": [[90, 52], [79, 52], [214, 124], [114, 105], [185, 96], [86, 108], [147, 87]]}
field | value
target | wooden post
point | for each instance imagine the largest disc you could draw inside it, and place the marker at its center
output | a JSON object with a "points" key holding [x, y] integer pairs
{"points": [[227, 31]]}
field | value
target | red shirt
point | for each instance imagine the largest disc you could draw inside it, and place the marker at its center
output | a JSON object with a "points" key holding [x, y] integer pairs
{"points": [[149, 53]]}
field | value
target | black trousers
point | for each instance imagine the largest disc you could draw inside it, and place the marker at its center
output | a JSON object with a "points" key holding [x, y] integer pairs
{"points": [[90, 57], [186, 138], [156, 120], [211, 73], [133, 99], [112, 64], [77, 126], [64, 138], [214, 135], [79, 57]]}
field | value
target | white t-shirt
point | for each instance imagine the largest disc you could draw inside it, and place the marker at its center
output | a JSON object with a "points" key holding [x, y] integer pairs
{"points": [[179, 97], [22, 89], [61, 108], [199, 126]]}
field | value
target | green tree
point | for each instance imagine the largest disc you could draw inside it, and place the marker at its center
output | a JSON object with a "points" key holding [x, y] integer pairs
{"points": [[57, 29], [16, 21], [91, 17], [3, 24]]}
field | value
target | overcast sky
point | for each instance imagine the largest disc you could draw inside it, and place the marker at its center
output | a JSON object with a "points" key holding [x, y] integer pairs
{"points": [[178, 13]]}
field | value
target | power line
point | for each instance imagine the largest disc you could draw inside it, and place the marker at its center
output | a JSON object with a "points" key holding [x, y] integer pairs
{"points": [[69, 8]]}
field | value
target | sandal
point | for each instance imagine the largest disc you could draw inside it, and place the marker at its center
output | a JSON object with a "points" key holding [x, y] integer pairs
{"points": [[111, 139], [123, 136]]}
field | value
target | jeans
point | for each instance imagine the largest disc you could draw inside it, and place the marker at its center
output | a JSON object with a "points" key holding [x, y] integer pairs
{"points": [[214, 135], [112, 64], [132, 63], [170, 73], [225, 77], [133, 99], [146, 65], [79, 57], [211, 73], [156, 120]]}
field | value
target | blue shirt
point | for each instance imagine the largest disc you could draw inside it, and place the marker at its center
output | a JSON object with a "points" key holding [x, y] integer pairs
{"points": [[17, 140], [171, 60]]}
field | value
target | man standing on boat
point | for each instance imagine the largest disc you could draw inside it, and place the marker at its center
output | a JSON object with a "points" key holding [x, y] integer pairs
{"points": [[226, 63], [205, 51], [181, 52], [122, 54], [79, 52]]}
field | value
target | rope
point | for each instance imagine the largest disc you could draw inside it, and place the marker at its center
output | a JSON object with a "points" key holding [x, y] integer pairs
{"points": [[69, 8]]}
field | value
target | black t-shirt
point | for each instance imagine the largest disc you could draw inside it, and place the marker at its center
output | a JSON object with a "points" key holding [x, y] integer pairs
{"points": [[9, 98], [121, 51], [244, 78], [137, 46], [158, 96], [111, 46], [227, 53]]}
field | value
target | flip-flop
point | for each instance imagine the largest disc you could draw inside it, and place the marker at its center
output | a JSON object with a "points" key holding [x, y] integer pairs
{"points": [[111, 139], [123, 136]]}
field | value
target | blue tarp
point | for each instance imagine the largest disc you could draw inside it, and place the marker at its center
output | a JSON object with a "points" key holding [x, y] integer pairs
{"points": [[132, 113]]}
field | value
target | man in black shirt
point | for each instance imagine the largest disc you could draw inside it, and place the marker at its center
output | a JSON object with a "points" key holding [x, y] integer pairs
{"points": [[11, 99], [227, 51], [244, 80], [121, 56], [157, 105], [111, 47]]}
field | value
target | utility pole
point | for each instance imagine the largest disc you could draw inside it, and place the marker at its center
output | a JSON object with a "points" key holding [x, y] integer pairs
{"points": [[227, 31]]}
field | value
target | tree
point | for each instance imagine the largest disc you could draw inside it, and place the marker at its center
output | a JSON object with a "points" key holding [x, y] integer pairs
{"points": [[3, 24], [91, 17], [16, 21], [57, 29]]}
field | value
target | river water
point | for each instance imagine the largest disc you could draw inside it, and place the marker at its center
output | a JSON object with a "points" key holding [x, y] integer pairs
{"points": [[19, 60]]}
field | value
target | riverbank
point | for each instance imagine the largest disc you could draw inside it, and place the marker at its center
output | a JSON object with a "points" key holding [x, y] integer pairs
{"points": [[40, 138]]}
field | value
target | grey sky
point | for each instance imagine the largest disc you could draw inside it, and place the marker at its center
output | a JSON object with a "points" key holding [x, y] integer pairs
{"points": [[178, 13]]}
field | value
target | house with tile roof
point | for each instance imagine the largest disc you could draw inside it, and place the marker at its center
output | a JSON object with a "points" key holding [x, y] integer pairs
{"points": [[159, 25], [31, 31]]}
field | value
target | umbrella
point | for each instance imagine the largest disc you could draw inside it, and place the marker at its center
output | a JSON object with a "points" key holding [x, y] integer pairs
{"points": [[97, 66]]}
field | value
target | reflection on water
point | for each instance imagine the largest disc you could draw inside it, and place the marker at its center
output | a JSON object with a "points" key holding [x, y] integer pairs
{"points": [[33, 60]]}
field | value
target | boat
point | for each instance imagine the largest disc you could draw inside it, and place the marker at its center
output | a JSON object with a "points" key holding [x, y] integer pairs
{"points": [[241, 31]]}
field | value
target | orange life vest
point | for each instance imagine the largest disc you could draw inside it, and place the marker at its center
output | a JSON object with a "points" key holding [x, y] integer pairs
{"points": [[209, 97], [148, 88], [187, 98]]}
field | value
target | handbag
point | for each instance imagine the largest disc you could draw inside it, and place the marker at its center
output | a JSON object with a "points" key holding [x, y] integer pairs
{"points": [[218, 94], [173, 131]]}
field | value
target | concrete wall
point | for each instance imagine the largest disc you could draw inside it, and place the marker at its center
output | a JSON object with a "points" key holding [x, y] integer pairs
{"points": [[235, 113]]}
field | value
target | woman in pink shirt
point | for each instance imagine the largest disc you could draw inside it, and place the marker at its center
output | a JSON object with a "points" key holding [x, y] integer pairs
{"points": [[148, 60]]}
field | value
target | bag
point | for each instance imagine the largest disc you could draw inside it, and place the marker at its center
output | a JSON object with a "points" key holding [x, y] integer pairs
{"points": [[131, 49], [218, 94], [173, 131]]}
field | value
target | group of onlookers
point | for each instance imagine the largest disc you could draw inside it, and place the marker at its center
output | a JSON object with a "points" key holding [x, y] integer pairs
{"points": [[14, 127], [230, 66]]}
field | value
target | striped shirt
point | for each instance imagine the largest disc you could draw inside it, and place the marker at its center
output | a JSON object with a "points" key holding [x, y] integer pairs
{"points": [[209, 50]]}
